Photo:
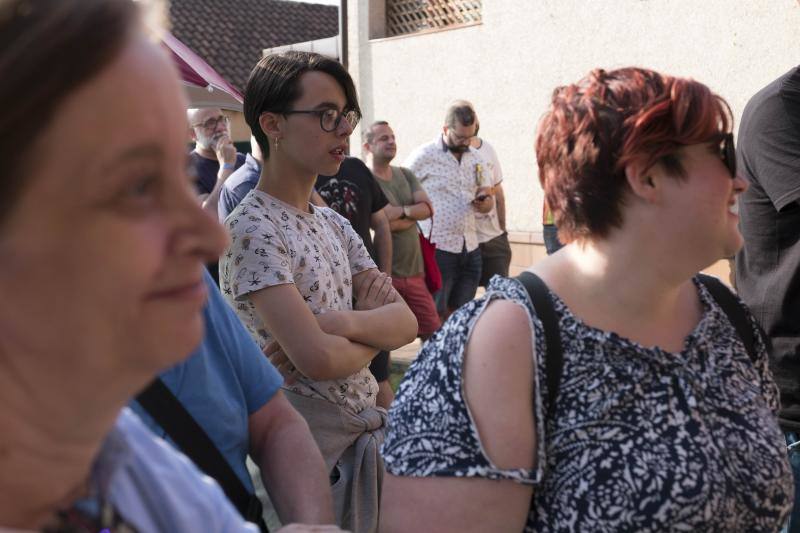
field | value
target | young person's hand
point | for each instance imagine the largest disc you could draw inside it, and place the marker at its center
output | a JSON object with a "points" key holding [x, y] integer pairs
{"points": [[375, 290], [281, 362]]}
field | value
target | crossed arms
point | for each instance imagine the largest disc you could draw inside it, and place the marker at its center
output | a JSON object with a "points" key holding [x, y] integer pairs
{"points": [[335, 344]]}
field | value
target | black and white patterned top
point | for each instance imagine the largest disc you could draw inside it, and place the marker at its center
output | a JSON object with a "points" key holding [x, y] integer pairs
{"points": [[641, 439]]}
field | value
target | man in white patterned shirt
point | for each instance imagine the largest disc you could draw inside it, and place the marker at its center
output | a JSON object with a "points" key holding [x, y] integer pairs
{"points": [[457, 181]]}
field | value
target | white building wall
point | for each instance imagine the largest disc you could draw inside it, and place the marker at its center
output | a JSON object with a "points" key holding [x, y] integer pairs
{"points": [[509, 65]]}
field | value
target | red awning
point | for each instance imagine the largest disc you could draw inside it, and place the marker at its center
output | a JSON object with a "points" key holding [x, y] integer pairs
{"points": [[204, 86]]}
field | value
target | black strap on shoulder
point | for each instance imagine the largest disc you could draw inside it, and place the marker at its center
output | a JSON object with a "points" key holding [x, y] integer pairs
{"points": [[182, 428], [733, 309], [554, 357]]}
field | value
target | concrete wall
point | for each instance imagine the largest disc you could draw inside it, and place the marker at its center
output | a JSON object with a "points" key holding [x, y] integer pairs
{"points": [[508, 66]]}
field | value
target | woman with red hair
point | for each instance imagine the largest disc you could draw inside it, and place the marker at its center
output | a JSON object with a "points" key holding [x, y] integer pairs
{"points": [[633, 394]]}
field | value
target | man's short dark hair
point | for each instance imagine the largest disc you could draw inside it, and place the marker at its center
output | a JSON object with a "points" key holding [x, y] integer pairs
{"points": [[369, 134], [459, 112], [274, 85]]}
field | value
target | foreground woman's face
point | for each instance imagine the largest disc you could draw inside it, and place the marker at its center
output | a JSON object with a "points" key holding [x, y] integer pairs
{"points": [[103, 252]]}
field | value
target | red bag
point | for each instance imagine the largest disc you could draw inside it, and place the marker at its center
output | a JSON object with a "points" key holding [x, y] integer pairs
{"points": [[433, 276]]}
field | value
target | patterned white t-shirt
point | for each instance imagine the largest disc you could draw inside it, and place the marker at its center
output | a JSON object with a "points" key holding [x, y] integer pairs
{"points": [[451, 185], [273, 243], [487, 225]]}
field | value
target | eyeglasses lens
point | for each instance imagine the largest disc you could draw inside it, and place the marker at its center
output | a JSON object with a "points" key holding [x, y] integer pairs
{"points": [[212, 123]]}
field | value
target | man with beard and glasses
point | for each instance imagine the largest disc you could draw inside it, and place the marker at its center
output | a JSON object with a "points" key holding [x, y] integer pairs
{"points": [[457, 181], [214, 157]]}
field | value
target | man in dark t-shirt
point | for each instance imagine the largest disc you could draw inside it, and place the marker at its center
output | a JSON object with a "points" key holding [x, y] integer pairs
{"points": [[353, 193], [213, 159], [768, 267]]}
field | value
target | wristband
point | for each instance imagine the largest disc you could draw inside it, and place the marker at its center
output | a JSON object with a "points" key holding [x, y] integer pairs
{"points": [[228, 166]]}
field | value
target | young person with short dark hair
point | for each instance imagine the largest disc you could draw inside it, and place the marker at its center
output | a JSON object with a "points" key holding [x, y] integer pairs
{"points": [[292, 270]]}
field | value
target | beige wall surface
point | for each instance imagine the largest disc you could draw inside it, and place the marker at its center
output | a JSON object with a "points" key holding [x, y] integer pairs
{"points": [[508, 66]]}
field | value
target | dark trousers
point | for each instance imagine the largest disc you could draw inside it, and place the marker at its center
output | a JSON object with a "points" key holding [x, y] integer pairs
{"points": [[551, 242], [461, 273], [495, 257]]}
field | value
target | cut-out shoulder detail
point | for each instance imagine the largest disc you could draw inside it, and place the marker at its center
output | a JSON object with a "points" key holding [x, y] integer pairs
{"points": [[498, 369], [639, 441]]}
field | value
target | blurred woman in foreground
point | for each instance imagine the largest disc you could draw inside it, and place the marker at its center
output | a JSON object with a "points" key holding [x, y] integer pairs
{"points": [[661, 420], [102, 245]]}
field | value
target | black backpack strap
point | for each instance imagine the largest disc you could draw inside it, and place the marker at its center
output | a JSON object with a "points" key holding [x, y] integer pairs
{"points": [[733, 309], [554, 357], [190, 437]]}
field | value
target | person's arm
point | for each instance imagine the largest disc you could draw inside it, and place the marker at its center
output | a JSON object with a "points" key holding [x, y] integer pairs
{"points": [[381, 319], [292, 467], [401, 224], [382, 239], [498, 383], [226, 156], [500, 204], [316, 354], [404, 217]]}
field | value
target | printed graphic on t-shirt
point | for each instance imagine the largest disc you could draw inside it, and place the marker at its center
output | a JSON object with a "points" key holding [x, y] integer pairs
{"points": [[342, 196]]}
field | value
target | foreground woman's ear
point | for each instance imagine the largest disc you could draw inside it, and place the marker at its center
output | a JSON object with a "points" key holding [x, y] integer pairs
{"points": [[642, 182]]}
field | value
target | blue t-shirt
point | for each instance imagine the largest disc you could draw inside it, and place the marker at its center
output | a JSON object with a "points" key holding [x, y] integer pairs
{"points": [[237, 186], [224, 381]]}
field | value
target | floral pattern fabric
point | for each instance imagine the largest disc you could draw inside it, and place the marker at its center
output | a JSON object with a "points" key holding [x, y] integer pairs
{"points": [[451, 186], [273, 243], [640, 440]]}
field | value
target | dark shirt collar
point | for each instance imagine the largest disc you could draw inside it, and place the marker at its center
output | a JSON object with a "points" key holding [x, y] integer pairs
{"points": [[446, 149]]}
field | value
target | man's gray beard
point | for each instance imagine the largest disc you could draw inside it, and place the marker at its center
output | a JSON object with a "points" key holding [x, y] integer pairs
{"points": [[208, 142]]}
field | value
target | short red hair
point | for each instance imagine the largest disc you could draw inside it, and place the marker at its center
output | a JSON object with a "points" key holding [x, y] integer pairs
{"points": [[595, 127]]}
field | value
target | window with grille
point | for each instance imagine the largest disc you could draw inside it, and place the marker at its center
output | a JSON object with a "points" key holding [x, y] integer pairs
{"points": [[411, 16]]}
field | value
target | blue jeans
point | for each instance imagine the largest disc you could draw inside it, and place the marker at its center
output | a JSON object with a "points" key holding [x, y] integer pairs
{"points": [[550, 235], [793, 526], [461, 273]]}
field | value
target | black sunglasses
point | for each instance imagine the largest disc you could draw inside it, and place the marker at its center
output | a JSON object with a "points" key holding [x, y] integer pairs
{"points": [[727, 152]]}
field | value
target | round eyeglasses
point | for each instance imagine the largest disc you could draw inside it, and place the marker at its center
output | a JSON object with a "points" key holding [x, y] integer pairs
{"points": [[329, 119], [212, 123]]}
